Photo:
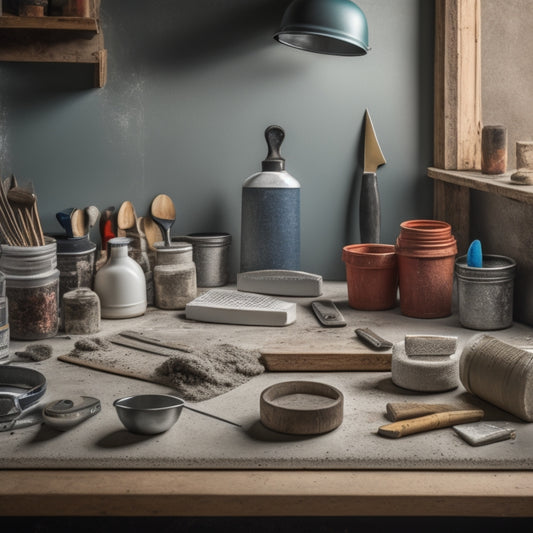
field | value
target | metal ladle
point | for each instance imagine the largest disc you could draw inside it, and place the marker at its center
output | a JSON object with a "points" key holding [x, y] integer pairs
{"points": [[149, 414]]}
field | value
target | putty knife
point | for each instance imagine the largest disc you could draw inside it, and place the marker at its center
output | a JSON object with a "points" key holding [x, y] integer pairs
{"points": [[369, 208]]}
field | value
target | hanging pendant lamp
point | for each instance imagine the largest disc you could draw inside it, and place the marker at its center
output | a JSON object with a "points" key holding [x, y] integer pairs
{"points": [[336, 27]]}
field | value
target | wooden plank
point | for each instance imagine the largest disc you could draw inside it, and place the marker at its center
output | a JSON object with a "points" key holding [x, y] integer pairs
{"points": [[55, 40], [51, 47], [265, 493], [330, 359], [452, 205], [500, 185], [49, 23], [457, 115]]}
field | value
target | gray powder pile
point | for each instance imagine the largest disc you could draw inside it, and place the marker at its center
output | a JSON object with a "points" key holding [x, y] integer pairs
{"points": [[35, 352], [214, 371], [90, 344], [94, 349]]}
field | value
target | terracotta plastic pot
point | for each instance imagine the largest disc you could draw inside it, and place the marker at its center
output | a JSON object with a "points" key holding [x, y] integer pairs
{"points": [[371, 275], [425, 230], [426, 259]]}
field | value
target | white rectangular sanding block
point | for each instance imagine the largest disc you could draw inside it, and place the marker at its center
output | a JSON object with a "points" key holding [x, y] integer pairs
{"points": [[280, 282], [233, 307]]}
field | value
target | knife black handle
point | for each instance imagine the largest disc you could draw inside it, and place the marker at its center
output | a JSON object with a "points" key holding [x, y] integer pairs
{"points": [[369, 210]]}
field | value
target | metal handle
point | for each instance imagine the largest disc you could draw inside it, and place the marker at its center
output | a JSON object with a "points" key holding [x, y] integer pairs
{"points": [[212, 416], [369, 209]]}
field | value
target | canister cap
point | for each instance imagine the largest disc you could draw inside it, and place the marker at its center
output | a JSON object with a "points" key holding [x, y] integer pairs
{"points": [[274, 136], [176, 247], [119, 241]]}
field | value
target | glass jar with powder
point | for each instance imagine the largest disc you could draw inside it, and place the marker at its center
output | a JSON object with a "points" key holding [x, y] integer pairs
{"points": [[32, 289], [174, 275]]}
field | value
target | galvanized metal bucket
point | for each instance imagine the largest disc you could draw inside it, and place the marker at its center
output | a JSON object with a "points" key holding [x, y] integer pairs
{"points": [[485, 294]]}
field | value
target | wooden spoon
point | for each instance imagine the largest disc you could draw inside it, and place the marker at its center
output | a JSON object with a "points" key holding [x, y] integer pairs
{"points": [[151, 230], [78, 223], [126, 218], [164, 214]]}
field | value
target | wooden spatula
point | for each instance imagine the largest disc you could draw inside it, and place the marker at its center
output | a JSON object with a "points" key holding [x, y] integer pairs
{"points": [[78, 223], [126, 218], [429, 422], [151, 230], [164, 214]]}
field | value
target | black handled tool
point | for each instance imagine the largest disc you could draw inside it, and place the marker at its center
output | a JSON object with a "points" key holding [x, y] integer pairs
{"points": [[373, 340], [369, 208]]}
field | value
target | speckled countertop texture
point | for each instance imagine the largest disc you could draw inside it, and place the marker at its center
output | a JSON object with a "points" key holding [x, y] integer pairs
{"points": [[198, 442]]}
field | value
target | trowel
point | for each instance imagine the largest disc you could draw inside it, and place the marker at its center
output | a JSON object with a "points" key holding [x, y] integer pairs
{"points": [[369, 209]]}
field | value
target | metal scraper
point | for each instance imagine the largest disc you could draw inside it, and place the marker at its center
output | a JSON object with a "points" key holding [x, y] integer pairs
{"points": [[481, 433]]}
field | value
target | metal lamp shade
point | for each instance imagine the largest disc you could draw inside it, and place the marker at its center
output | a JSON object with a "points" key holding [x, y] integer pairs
{"points": [[336, 27]]}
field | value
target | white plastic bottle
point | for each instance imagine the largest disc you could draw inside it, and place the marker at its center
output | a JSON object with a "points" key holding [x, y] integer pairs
{"points": [[120, 283]]}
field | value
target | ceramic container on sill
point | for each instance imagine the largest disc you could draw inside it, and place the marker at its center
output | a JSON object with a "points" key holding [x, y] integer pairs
{"points": [[371, 275], [485, 294], [426, 258]]}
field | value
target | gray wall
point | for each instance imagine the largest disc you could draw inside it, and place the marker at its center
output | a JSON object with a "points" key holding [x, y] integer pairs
{"points": [[506, 73], [192, 86], [503, 225]]}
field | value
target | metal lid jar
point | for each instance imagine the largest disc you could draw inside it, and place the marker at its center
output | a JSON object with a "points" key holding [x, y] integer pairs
{"points": [[174, 275], [32, 289]]}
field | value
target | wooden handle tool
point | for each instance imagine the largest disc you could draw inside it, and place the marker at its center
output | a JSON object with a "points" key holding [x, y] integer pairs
{"points": [[78, 223], [429, 423], [404, 410]]}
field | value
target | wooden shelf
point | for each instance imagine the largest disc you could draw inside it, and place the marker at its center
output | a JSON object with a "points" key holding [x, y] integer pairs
{"points": [[49, 23], [452, 197], [55, 40], [500, 184]]}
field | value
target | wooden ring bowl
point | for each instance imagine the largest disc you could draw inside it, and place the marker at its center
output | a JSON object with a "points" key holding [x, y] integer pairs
{"points": [[301, 407]]}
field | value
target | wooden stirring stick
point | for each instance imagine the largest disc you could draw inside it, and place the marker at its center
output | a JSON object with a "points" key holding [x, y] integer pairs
{"points": [[402, 410], [429, 422]]}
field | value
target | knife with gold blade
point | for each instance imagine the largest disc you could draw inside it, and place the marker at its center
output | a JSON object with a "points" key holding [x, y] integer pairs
{"points": [[369, 208]]}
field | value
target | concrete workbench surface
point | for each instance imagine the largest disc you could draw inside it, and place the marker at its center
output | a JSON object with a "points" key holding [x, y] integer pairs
{"points": [[198, 442]]}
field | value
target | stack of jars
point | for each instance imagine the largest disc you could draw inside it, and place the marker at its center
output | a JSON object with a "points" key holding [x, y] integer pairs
{"points": [[426, 252]]}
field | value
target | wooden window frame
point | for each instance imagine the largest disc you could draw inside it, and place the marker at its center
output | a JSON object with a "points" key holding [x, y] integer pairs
{"points": [[457, 108]]}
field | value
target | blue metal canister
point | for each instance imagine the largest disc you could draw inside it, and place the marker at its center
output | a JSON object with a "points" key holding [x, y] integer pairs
{"points": [[270, 218]]}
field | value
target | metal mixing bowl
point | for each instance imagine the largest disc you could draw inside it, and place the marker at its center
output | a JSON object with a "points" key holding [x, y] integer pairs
{"points": [[149, 414]]}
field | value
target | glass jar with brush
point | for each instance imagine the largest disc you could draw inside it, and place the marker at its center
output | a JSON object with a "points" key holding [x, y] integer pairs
{"points": [[32, 289]]}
